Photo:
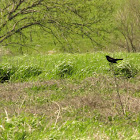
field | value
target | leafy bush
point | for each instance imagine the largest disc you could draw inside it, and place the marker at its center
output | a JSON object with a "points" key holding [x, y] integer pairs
{"points": [[6, 71], [64, 69], [25, 72], [126, 69]]}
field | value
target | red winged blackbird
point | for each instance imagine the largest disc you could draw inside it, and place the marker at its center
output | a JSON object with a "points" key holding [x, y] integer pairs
{"points": [[112, 60]]}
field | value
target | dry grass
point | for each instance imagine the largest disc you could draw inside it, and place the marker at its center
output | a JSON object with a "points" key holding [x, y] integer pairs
{"points": [[89, 109], [95, 93]]}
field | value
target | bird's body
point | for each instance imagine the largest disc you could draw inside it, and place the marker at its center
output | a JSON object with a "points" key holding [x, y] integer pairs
{"points": [[112, 60]]}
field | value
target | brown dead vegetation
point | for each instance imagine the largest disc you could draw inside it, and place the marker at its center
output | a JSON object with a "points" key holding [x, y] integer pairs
{"points": [[86, 97]]}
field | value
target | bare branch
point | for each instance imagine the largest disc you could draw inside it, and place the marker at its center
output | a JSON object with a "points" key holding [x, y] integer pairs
{"points": [[10, 33]]}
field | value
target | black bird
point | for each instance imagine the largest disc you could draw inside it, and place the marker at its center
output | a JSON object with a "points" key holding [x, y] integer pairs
{"points": [[112, 60]]}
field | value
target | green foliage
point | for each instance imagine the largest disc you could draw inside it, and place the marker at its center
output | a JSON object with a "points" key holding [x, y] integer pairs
{"points": [[21, 73], [20, 127], [127, 25], [64, 69], [89, 23], [89, 70], [74, 66], [33, 127], [25, 72], [68, 108], [126, 69], [67, 26], [6, 71]]}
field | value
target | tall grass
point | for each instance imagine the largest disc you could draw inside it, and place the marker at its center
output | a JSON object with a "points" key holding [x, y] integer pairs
{"points": [[76, 66]]}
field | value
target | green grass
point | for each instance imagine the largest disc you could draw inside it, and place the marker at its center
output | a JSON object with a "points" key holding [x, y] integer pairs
{"points": [[69, 96], [75, 66], [33, 127]]}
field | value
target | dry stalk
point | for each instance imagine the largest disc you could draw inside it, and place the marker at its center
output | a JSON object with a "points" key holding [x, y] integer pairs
{"points": [[58, 112], [117, 89]]}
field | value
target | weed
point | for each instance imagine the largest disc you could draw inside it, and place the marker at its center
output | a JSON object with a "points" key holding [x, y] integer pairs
{"points": [[64, 69], [6, 71], [20, 127], [126, 69], [25, 72], [89, 70]]}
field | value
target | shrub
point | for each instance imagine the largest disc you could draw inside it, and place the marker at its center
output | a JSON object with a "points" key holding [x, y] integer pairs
{"points": [[126, 69], [6, 71], [64, 69]]}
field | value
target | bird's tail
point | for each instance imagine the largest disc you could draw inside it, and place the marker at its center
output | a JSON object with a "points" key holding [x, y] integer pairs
{"points": [[119, 59]]}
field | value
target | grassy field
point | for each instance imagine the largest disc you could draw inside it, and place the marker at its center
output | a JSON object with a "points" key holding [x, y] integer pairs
{"points": [[70, 96]]}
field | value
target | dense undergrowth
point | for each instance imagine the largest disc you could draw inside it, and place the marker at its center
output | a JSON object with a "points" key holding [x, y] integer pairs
{"points": [[78, 66]]}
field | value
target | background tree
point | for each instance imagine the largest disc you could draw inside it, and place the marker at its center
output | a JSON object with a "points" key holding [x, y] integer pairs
{"points": [[82, 19], [64, 20], [128, 26], [17, 15]]}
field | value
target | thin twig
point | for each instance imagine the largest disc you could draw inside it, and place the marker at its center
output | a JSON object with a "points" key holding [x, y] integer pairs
{"points": [[117, 88]]}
